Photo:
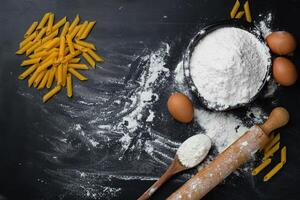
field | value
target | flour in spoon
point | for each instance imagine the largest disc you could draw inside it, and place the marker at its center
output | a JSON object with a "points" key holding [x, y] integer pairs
{"points": [[228, 67]]}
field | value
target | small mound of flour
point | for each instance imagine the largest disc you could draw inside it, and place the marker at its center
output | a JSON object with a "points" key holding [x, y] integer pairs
{"points": [[228, 67]]}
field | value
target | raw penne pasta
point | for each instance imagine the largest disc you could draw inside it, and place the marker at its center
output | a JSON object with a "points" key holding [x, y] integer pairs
{"points": [[247, 12], [270, 174], [39, 78], [69, 85], [94, 55], [33, 47], [39, 54], [30, 61], [85, 44], [50, 24], [51, 93], [60, 74], [74, 32], [70, 56], [50, 78], [43, 21], [87, 30], [50, 37], [74, 60], [263, 165], [235, 8], [283, 155], [24, 48], [271, 151], [239, 15], [89, 59], [77, 74], [65, 29], [31, 29], [79, 47], [28, 39], [44, 80], [74, 23], [59, 24], [64, 74], [78, 66], [40, 35], [82, 28], [272, 143], [28, 72], [56, 74], [70, 44], [32, 78], [45, 65], [62, 47], [52, 43]]}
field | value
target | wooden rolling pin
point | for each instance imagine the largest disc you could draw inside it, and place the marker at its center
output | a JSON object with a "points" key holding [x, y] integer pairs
{"points": [[231, 158]]}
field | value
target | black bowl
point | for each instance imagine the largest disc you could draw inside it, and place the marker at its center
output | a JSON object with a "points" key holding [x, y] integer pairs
{"points": [[200, 35]]}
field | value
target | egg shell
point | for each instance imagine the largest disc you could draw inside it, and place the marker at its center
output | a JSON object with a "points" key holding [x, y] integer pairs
{"points": [[284, 71], [180, 107], [281, 42]]}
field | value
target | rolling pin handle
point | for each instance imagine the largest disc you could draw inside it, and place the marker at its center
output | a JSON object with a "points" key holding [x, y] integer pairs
{"points": [[277, 118]]}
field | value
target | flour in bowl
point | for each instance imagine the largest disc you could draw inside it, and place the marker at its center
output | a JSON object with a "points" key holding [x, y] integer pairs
{"points": [[228, 67]]}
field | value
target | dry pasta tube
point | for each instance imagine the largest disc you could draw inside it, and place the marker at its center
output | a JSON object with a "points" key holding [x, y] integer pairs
{"points": [[95, 56], [271, 151], [74, 32], [78, 66], [86, 44], [69, 85], [70, 44], [269, 175], [30, 61], [25, 47], [235, 8], [43, 21], [62, 47], [50, 78], [74, 23], [39, 78], [263, 165], [30, 29], [82, 28], [27, 72], [33, 47], [77, 74], [44, 80], [59, 24], [51, 93], [59, 74], [89, 59], [39, 54], [74, 60], [87, 30], [32, 78], [64, 74], [52, 43], [28, 39], [40, 35], [239, 15], [80, 48], [272, 143], [283, 155], [65, 29], [70, 56], [247, 12], [50, 24]]}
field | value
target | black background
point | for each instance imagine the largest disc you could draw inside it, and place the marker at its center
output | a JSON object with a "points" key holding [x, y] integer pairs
{"points": [[121, 22]]}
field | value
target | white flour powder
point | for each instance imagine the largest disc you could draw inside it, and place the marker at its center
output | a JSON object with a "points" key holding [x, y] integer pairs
{"points": [[228, 67]]}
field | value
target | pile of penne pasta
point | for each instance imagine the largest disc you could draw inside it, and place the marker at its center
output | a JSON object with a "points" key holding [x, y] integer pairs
{"points": [[53, 51]]}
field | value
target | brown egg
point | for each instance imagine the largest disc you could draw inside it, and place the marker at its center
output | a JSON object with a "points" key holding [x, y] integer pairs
{"points": [[281, 42], [284, 71], [180, 107]]}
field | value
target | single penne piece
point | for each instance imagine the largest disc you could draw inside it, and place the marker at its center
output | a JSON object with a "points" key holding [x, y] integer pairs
{"points": [[27, 72], [239, 15], [59, 24], [78, 66], [95, 56], [89, 59], [74, 60], [283, 155], [51, 76], [51, 93], [77, 74], [33, 77], [50, 24], [33, 47], [60, 74], [39, 78], [40, 35], [270, 174], [69, 85], [235, 8], [79, 47], [70, 56], [50, 37], [247, 11], [74, 23], [52, 43], [270, 144], [39, 54], [44, 81], [263, 165], [30, 61], [24, 48], [74, 32], [87, 30], [64, 74], [70, 44], [65, 29], [271, 151], [28, 39], [45, 65], [43, 21], [56, 74], [62, 47], [85, 44], [31, 29], [82, 28]]}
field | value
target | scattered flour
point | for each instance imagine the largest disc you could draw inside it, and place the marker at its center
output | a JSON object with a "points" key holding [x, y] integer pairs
{"points": [[265, 24]]}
